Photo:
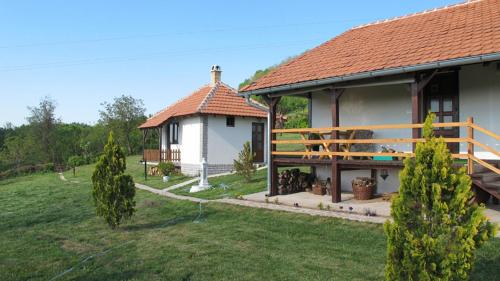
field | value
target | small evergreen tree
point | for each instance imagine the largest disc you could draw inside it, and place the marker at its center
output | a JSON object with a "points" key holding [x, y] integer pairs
{"points": [[113, 190], [436, 226], [244, 165]]}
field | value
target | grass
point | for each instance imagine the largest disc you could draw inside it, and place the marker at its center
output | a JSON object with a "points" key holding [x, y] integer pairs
{"points": [[48, 226], [230, 186], [289, 146], [136, 170]]}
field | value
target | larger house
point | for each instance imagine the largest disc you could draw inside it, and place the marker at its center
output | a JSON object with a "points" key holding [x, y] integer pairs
{"points": [[370, 88], [212, 123]]}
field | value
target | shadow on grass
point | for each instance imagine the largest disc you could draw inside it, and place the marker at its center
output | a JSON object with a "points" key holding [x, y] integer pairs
{"points": [[486, 267]]}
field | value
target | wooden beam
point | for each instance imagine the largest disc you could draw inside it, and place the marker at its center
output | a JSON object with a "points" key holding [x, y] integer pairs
{"points": [[160, 136], [272, 104], [470, 146], [336, 174], [415, 110]]}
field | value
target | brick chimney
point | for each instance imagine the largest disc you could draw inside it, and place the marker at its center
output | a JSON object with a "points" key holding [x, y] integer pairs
{"points": [[215, 75]]}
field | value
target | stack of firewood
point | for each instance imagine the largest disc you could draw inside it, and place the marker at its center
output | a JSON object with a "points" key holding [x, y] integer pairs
{"points": [[154, 171], [292, 181]]}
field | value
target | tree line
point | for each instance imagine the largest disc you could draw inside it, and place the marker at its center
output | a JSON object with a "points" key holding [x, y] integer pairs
{"points": [[46, 141]]}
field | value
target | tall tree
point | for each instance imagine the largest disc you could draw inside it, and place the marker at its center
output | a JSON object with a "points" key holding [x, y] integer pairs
{"points": [[43, 123], [123, 116], [436, 226]]}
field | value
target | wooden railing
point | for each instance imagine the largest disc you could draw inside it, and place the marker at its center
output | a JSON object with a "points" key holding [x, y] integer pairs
{"points": [[169, 155], [328, 150]]}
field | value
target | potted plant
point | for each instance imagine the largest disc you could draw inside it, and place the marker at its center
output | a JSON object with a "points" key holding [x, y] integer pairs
{"points": [[166, 169], [319, 188], [363, 188]]}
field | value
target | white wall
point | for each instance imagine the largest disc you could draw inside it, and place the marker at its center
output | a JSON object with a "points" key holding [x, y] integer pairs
{"points": [[367, 106], [189, 140], [479, 97], [224, 143]]}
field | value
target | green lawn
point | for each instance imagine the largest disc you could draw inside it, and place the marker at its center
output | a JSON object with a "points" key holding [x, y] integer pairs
{"points": [[289, 147], [136, 169], [229, 186], [48, 227]]}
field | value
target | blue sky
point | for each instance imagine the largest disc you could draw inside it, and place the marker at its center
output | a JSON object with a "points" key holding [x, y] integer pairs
{"points": [[82, 53]]}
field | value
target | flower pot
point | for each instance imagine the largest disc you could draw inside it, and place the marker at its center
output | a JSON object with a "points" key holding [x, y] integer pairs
{"points": [[363, 188], [318, 189], [166, 178]]}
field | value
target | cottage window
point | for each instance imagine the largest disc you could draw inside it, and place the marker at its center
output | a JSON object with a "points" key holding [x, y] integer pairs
{"points": [[175, 133], [230, 121]]}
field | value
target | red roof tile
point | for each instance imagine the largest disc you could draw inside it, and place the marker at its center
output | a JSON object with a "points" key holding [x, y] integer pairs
{"points": [[220, 99], [462, 30]]}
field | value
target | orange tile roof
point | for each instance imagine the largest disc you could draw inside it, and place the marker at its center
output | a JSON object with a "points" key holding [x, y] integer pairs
{"points": [[220, 99], [462, 30]]}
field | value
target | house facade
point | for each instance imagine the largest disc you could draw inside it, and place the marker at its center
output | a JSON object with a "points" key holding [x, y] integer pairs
{"points": [[212, 123], [384, 78]]}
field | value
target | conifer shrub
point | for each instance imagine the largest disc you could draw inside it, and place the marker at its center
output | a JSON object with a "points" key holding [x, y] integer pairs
{"points": [[113, 191], [244, 164], [166, 168], [437, 227]]}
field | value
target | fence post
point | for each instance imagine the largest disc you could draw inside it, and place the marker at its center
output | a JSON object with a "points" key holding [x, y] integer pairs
{"points": [[470, 145]]}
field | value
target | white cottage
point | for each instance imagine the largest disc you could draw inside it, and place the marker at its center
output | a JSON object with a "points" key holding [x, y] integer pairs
{"points": [[212, 123], [378, 81]]}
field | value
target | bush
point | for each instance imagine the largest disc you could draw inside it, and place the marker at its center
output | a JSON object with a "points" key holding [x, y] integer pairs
{"points": [[113, 191], [244, 165], [75, 161], [166, 168], [436, 226]]}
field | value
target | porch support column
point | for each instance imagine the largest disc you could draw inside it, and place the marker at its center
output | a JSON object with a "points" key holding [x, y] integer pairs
{"points": [[144, 134], [167, 135], [272, 173], [417, 92], [160, 136], [415, 110], [336, 175]]}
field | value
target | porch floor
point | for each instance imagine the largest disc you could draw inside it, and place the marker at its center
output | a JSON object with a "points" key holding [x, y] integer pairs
{"points": [[378, 206]]}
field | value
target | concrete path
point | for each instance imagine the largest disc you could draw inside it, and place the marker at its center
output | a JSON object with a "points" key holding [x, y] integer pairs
{"points": [[268, 206]]}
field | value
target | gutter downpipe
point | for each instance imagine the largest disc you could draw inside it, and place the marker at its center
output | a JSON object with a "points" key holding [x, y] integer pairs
{"points": [[268, 137], [377, 73]]}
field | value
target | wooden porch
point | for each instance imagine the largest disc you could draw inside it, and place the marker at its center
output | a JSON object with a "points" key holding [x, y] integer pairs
{"points": [[332, 150], [164, 155]]}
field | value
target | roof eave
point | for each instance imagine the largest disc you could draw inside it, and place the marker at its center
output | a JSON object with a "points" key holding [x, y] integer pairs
{"points": [[375, 73]]}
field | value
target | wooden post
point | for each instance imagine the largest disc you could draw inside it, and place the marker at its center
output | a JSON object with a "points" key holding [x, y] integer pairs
{"points": [[470, 146], [144, 133], [309, 123], [415, 111], [272, 102], [160, 136], [336, 175]]}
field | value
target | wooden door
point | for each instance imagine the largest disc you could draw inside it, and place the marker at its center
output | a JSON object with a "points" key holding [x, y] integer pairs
{"points": [[441, 98], [258, 142]]}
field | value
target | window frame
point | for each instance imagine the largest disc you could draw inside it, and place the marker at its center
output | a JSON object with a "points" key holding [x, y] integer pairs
{"points": [[230, 121], [175, 133]]}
